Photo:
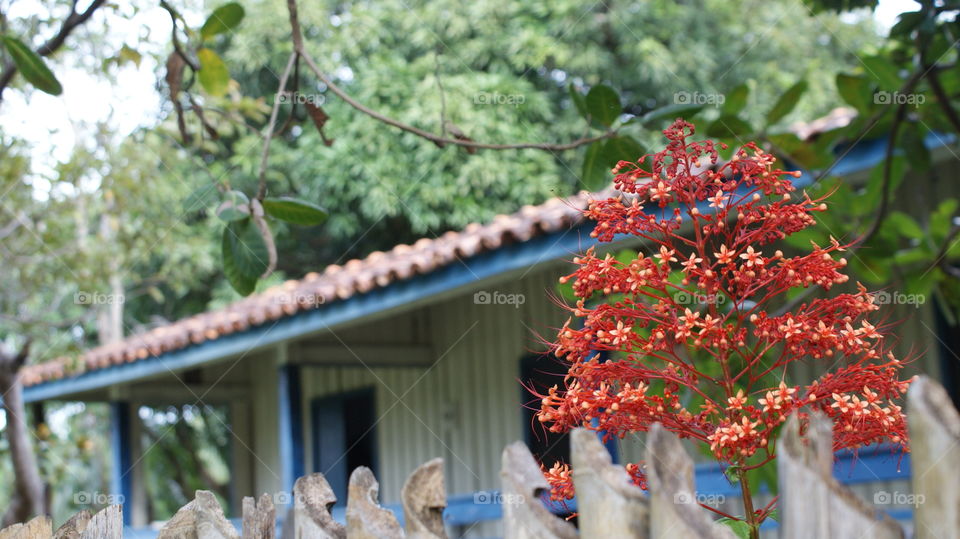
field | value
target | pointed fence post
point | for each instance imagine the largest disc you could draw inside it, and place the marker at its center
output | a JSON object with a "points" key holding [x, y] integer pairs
{"points": [[524, 516], [424, 499], [310, 515], [813, 503], [608, 503], [365, 518], [674, 510], [38, 528], [200, 519], [935, 460]]}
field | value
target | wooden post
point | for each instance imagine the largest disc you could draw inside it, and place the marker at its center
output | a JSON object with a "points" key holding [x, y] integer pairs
{"points": [[259, 518], [935, 458], [200, 519], [524, 516], [813, 503], [609, 505], [312, 498], [674, 510], [37, 528], [424, 499], [365, 518]]}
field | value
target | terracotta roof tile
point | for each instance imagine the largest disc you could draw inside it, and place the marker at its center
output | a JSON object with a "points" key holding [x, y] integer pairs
{"points": [[336, 283]]}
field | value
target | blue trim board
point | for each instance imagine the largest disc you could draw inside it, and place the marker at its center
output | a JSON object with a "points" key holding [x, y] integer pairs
{"points": [[396, 295], [290, 426], [121, 473]]}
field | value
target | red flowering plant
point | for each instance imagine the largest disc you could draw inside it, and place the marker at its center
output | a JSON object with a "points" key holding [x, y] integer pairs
{"points": [[714, 370]]}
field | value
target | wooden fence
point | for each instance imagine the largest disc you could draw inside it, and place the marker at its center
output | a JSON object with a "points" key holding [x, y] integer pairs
{"points": [[812, 503]]}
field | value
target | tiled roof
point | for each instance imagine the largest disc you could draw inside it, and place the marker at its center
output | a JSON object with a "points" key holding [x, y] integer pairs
{"points": [[358, 276], [314, 290]]}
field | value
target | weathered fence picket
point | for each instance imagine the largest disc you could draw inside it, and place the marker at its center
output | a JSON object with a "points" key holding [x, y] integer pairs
{"points": [[812, 502]]}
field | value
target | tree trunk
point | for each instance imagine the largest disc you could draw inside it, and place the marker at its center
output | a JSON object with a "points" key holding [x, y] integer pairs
{"points": [[28, 498]]}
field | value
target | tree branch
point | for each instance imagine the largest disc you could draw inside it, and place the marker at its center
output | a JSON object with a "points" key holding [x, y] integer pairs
{"points": [[268, 135], [53, 44], [439, 140], [887, 173]]}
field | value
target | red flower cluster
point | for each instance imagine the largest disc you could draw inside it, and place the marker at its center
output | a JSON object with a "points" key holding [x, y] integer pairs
{"points": [[684, 334]]}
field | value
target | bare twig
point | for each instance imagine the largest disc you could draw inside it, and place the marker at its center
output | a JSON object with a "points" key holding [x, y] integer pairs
{"points": [[443, 96], [268, 134], [73, 20], [887, 175]]}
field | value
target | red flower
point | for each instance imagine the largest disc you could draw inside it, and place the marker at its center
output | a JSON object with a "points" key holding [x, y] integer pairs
{"points": [[713, 370]]}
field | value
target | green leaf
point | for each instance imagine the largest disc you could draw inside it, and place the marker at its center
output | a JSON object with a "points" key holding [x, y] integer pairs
{"points": [[907, 23], [735, 100], [941, 220], [31, 66], [214, 75], [920, 283], [905, 225], [224, 18], [856, 91], [786, 103], [740, 528], [245, 255], [883, 72], [802, 152], [578, 101], [291, 210], [729, 127], [909, 257], [671, 112], [566, 292], [603, 104], [201, 198], [874, 190], [595, 175], [915, 149], [235, 206], [621, 148]]}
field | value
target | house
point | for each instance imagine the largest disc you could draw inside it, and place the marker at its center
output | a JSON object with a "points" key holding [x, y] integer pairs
{"points": [[389, 361]]}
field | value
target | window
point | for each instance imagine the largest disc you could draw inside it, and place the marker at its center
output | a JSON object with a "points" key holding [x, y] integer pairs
{"points": [[343, 436]]}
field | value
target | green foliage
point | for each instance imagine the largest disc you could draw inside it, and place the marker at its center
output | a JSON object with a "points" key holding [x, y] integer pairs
{"points": [[213, 75], [223, 19], [245, 255], [31, 66], [297, 212]]}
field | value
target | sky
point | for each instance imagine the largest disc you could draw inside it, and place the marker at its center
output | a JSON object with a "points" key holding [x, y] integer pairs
{"points": [[53, 125]]}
